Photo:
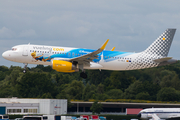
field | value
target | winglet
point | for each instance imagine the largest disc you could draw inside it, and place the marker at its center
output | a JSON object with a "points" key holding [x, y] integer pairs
{"points": [[104, 45], [113, 49]]}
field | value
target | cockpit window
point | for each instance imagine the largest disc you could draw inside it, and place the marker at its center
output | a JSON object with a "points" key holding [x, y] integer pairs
{"points": [[14, 49]]}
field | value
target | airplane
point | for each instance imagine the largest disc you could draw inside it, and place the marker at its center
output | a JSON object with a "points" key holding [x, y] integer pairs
{"points": [[67, 59], [159, 113]]}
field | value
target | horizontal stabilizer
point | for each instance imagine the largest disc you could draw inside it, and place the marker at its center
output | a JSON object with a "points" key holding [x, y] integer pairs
{"points": [[174, 116], [162, 59]]}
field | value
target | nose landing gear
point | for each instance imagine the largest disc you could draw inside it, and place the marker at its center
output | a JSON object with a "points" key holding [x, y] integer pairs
{"points": [[25, 66]]}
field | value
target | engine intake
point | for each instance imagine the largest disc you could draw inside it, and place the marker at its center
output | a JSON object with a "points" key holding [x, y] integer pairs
{"points": [[63, 66]]}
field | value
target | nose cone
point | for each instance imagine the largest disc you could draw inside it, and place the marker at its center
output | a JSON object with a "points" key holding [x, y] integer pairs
{"points": [[10, 55], [139, 115], [5, 55]]}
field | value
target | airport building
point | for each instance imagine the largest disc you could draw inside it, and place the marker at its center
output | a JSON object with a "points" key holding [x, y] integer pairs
{"points": [[60, 106], [33, 106]]}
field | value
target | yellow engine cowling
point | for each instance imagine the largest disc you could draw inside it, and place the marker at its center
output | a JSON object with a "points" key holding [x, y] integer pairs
{"points": [[63, 66]]}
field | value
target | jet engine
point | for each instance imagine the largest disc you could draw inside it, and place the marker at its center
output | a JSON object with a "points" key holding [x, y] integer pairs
{"points": [[63, 66]]}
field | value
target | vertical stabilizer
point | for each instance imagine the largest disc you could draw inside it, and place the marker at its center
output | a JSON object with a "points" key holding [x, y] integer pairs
{"points": [[162, 44]]}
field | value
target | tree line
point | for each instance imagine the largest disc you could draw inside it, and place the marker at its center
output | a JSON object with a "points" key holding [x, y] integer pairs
{"points": [[155, 84]]}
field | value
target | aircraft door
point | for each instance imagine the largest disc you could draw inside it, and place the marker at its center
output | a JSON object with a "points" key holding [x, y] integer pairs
{"points": [[69, 54], [25, 51], [73, 54]]}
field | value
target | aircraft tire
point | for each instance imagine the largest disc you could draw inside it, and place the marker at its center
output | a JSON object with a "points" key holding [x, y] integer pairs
{"points": [[24, 71], [83, 75]]}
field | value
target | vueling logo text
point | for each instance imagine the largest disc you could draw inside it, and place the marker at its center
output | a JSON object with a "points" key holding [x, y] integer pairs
{"points": [[58, 49]]}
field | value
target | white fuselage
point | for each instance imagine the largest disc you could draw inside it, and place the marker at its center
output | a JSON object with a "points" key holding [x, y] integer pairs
{"points": [[162, 113]]}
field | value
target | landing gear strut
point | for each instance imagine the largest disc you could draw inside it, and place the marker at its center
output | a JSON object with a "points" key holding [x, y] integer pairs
{"points": [[25, 66], [82, 74]]}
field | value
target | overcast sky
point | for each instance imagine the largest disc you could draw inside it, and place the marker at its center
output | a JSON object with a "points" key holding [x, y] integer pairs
{"points": [[130, 25]]}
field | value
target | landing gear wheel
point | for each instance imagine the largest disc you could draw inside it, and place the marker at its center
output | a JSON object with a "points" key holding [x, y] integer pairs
{"points": [[24, 71], [83, 75]]}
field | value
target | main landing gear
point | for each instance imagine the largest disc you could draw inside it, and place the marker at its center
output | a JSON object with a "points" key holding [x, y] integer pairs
{"points": [[83, 75], [25, 66]]}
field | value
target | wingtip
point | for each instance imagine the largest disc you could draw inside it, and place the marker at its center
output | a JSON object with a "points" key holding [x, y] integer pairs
{"points": [[113, 49], [104, 45]]}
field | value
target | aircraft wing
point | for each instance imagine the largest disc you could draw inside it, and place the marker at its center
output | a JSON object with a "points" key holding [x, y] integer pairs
{"points": [[162, 59], [91, 56]]}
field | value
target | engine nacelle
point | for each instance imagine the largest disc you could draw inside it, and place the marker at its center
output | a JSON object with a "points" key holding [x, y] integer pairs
{"points": [[63, 66]]}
